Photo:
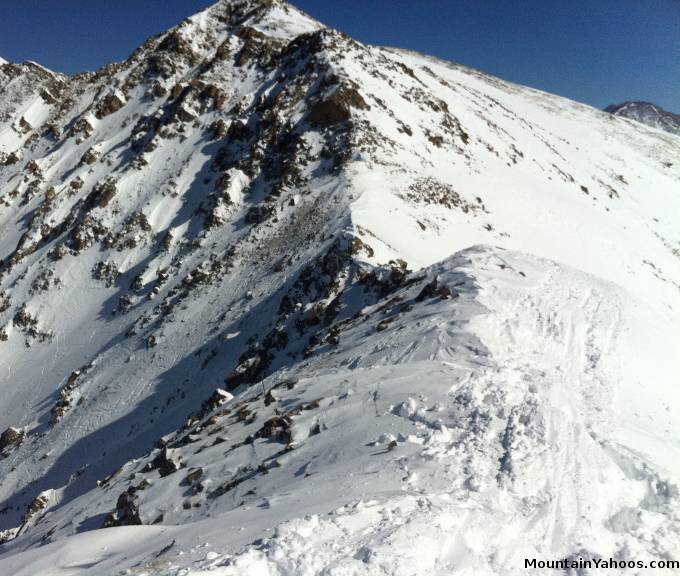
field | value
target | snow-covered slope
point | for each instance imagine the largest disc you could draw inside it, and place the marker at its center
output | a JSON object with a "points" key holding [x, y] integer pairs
{"points": [[649, 114], [256, 203], [471, 423]]}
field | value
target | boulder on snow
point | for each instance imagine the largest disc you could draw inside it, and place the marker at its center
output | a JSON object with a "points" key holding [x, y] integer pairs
{"points": [[185, 115], [217, 398], [246, 371], [167, 462], [24, 126], [277, 427], [89, 157], [11, 439], [127, 511], [433, 289]]}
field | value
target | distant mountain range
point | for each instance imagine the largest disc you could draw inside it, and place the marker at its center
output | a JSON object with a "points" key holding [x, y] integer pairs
{"points": [[647, 113]]}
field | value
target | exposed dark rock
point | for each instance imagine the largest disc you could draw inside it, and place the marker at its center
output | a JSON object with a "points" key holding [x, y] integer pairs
{"points": [[65, 400], [12, 158], [277, 427], [103, 193], [217, 398], [185, 115], [90, 157], [257, 46], [238, 131], [127, 511], [218, 129], [24, 319], [111, 103], [10, 439], [38, 504], [259, 213], [337, 107], [106, 272], [167, 462], [433, 289], [24, 126], [194, 476]]}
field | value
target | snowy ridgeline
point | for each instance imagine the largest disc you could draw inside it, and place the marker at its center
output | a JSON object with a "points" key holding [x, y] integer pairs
{"points": [[244, 330], [496, 418], [649, 114]]}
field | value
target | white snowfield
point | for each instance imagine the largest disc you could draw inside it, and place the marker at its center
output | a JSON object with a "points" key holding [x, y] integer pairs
{"points": [[236, 206]]}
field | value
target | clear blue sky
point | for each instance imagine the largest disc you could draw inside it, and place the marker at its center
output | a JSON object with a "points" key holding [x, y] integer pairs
{"points": [[595, 51]]}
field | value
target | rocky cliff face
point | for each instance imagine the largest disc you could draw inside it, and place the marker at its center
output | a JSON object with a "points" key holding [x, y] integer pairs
{"points": [[253, 204]]}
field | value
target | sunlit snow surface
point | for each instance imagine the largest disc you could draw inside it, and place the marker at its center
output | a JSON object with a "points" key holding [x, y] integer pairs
{"points": [[531, 414]]}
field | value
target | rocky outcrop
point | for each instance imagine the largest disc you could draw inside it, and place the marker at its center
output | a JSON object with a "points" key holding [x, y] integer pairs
{"points": [[126, 513], [10, 439], [337, 107], [110, 104], [167, 461]]}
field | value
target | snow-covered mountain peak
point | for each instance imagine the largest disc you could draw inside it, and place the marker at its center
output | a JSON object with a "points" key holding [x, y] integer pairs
{"points": [[647, 113], [275, 18], [255, 20]]}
